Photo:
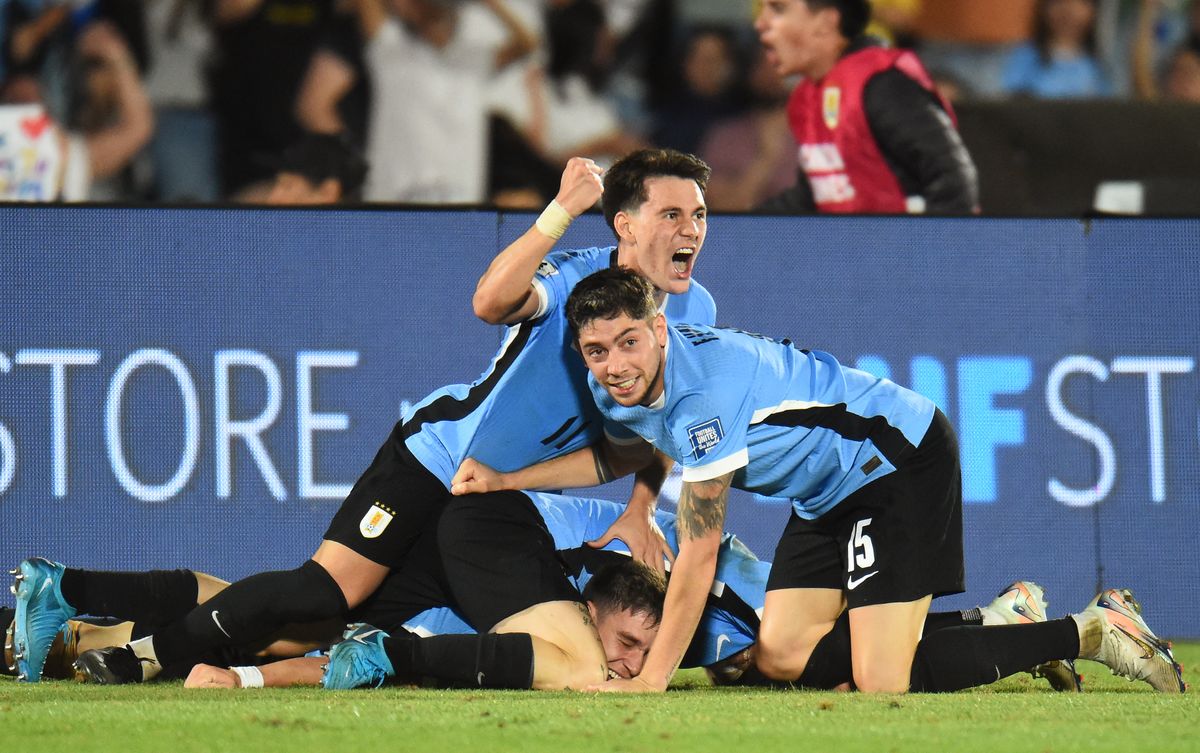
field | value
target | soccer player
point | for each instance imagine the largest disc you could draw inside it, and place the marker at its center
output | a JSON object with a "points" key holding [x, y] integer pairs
{"points": [[530, 404], [873, 134], [872, 472], [516, 564], [723, 644]]}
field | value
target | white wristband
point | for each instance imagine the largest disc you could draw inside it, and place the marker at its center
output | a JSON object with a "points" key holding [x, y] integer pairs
{"points": [[250, 677], [553, 221]]}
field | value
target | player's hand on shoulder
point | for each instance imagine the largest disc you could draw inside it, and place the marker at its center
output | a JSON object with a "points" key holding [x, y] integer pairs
{"points": [[473, 477], [208, 676], [581, 186]]}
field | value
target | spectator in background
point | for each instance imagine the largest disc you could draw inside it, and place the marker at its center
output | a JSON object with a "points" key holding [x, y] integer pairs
{"points": [[318, 169], [566, 112], [708, 70], [1060, 61], [1180, 78], [970, 39], [1182, 82], [751, 155], [874, 136], [335, 94], [183, 154], [39, 36], [430, 62], [113, 124], [111, 112], [263, 48]]}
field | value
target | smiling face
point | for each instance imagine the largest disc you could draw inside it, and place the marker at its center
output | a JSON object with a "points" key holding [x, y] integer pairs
{"points": [[626, 638], [798, 40], [663, 236], [626, 356]]}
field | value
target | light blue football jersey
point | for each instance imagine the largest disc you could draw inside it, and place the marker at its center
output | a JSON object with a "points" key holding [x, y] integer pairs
{"points": [[532, 402], [788, 423], [730, 621]]}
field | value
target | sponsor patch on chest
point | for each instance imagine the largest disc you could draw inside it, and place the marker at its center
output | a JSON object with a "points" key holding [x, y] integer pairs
{"points": [[705, 436]]}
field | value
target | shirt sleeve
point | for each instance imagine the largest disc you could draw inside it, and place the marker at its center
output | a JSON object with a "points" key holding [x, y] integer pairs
{"points": [[921, 143], [709, 428], [551, 285]]}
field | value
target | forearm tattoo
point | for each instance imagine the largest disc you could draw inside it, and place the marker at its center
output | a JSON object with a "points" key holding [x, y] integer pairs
{"points": [[702, 506], [604, 471]]}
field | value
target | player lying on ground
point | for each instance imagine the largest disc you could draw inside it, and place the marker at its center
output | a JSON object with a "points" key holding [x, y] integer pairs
{"points": [[531, 404], [723, 642], [501, 572], [523, 547], [872, 470]]}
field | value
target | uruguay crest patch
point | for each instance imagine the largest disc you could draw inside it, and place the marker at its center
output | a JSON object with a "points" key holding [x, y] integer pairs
{"points": [[831, 106], [375, 521]]}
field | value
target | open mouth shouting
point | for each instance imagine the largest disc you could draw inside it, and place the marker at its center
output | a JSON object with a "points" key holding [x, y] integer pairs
{"points": [[682, 261]]}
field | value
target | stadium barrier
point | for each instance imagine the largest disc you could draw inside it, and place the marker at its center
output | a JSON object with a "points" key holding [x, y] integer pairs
{"points": [[1046, 158], [199, 387]]}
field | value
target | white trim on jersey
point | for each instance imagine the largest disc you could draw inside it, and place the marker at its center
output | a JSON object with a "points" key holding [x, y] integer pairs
{"points": [[762, 414], [725, 465], [543, 298]]}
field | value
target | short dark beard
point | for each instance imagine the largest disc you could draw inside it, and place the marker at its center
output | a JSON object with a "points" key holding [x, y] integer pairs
{"points": [[658, 375]]}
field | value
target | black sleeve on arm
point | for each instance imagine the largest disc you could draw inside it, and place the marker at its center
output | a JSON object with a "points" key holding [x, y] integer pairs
{"points": [[921, 144], [796, 200]]}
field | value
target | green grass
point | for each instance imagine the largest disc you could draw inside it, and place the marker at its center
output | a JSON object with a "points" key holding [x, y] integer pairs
{"points": [[1018, 714]]}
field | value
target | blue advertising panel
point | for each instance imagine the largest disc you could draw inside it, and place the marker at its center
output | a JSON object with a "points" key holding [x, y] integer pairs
{"points": [[200, 387]]}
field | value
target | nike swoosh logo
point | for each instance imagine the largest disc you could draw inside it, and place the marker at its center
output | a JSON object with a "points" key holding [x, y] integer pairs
{"points": [[854, 583], [45, 584], [219, 627], [362, 637], [721, 639]]}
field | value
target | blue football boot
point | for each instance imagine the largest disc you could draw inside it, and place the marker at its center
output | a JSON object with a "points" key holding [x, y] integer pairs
{"points": [[358, 660], [41, 614]]}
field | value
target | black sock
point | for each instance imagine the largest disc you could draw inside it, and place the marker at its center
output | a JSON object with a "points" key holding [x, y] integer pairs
{"points": [[966, 657], [251, 609], [490, 660], [942, 620], [829, 665], [155, 595]]}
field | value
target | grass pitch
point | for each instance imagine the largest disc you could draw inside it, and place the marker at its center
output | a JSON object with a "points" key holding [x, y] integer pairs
{"points": [[1015, 715]]}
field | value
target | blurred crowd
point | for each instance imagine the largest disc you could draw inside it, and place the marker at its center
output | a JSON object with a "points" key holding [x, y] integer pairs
{"points": [[483, 101]]}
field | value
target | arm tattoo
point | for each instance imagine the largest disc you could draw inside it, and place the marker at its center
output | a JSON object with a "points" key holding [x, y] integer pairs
{"points": [[604, 471], [702, 506]]}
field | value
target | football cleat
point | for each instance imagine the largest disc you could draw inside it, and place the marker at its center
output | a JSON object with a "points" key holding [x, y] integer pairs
{"points": [[1024, 602], [358, 660], [116, 665], [40, 615], [1114, 634]]}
